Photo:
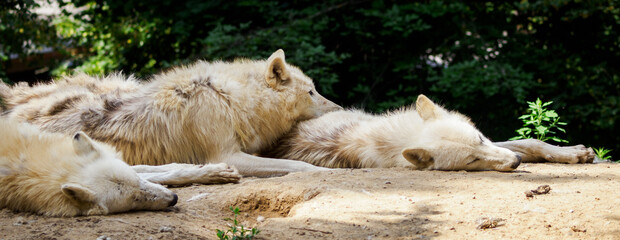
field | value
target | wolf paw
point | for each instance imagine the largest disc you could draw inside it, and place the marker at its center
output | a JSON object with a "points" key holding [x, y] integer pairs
{"points": [[585, 155], [219, 173], [576, 154]]}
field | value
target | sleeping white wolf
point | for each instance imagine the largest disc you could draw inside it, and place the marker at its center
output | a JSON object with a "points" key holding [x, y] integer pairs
{"points": [[427, 137], [219, 112], [56, 175]]}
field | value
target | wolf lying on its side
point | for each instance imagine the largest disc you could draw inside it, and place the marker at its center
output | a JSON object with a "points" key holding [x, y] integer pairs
{"points": [[54, 175], [208, 112], [427, 137]]}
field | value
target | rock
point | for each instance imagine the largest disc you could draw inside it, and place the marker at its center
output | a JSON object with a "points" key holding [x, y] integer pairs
{"points": [[542, 189], [486, 223], [166, 229], [578, 229]]}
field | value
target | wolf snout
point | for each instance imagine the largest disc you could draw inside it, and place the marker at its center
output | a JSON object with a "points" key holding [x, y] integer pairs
{"points": [[516, 163], [330, 107], [175, 198]]}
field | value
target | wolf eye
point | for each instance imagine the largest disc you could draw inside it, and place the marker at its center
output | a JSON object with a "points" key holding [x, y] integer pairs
{"points": [[311, 93], [473, 161]]}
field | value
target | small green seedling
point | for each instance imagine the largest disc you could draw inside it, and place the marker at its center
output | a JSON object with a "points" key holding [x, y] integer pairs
{"points": [[236, 231], [540, 121], [602, 153]]}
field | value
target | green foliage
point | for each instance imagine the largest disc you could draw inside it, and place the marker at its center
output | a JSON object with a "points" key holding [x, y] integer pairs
{"points": [[236, 231], [602, 153], [22, 31], [541, 122], [473, 80], [483, 58]]}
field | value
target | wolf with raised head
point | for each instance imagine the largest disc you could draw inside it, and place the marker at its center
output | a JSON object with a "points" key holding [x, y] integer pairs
{"points": [[425, 137], [57, 175], [208, 112]]}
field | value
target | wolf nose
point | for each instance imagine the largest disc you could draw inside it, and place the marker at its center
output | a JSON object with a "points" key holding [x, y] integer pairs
{"points": [[516, 164], [175, 198]]}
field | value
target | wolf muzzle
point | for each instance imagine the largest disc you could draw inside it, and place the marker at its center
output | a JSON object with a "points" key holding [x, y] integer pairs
{"points": [[175, 198], [516, 164]]}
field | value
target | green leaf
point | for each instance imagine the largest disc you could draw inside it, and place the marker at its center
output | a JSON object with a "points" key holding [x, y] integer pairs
{"points": [[538, 102], [551, 114], [558, 140], [541, 129], [516, 138]]}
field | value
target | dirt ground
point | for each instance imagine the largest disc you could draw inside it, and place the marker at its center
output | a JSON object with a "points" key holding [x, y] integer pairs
{"points": [[397, 203]]}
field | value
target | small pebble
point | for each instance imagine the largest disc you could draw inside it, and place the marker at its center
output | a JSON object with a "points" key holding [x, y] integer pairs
{"points": [[165, 229]]}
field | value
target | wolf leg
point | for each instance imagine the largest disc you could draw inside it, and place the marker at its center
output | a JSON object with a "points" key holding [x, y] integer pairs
{"points": [[163, 168], [250, 165], [183, 174], [532, 150]]}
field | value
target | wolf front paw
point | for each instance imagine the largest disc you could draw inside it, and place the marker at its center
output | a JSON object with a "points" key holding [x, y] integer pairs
{"points": [[219, 173], [576, 154], [585, 155]]}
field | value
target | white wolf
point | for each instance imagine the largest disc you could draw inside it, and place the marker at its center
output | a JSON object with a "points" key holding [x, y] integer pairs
{"points": [[56, 175], [202, 113], [427, 137]]}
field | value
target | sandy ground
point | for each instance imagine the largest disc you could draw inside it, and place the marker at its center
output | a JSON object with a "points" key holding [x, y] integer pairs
{"points": [[398, 203]]}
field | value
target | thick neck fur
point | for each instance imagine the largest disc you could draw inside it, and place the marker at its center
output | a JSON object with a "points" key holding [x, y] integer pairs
{"points": [[384, 138]]}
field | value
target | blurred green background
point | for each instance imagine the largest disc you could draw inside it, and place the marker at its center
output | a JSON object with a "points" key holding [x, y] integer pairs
{"points": [[482, 58]]}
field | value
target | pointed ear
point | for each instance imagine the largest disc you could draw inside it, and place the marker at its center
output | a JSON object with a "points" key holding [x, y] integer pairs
{"points": [[427, 109], [82, 144], [419, 157], [78, 193], [277, 73]]}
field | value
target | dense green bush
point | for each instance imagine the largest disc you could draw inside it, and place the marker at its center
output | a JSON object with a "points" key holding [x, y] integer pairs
{"points": [[485, 59], [22, 31]]}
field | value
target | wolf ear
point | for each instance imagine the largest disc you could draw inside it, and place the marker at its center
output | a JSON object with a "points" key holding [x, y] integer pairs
{"points": [[427, 109], [277, 73], [78, 193], [82, 144], [420, 158]]}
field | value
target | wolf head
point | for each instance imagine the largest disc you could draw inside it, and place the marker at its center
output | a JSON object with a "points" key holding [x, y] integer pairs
{"points": [[306, 102], [106, 184], [449, 141]]}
